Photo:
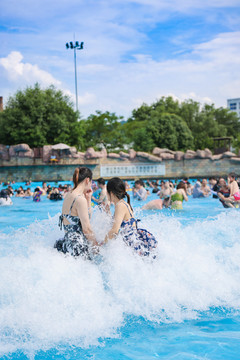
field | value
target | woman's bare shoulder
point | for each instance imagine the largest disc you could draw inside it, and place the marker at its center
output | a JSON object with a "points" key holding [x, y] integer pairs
{"points": [[121, 206], [81, 199]]}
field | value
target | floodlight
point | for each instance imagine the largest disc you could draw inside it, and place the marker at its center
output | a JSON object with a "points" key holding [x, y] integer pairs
{"points": [[78, 46]]}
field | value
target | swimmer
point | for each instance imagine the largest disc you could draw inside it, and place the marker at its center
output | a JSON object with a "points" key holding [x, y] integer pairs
{"points": [[139, 191], [197, 192], [37, 195], [224, 193], [124, 223], [164, 201], [55, 194], [214, 187], [5, 197], [156, 204], [189, 188], [102, 201], [166, 193], [127, 186], [205, 188], [179, 196], [10, 190], [28, 192], [230, 199], [44, 187], [79, 239], [155, 189]]}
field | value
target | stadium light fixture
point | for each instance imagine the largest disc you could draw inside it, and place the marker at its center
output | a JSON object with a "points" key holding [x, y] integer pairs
{"points": [[75, 46]]}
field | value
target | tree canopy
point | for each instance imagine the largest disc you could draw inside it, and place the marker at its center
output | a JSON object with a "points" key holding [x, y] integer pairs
{"points": [[180, 126], [104, 129], [40, 117]]}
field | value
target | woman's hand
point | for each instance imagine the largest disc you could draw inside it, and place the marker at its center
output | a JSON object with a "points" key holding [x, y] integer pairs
{"points": [[88, 195]]}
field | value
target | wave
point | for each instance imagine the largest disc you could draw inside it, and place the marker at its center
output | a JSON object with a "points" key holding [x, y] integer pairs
{"points": [[47, 298]]}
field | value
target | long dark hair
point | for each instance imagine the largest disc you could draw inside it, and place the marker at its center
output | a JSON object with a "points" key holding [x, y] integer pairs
{"points": [[117, 187], [181, 185], [80, 174]]}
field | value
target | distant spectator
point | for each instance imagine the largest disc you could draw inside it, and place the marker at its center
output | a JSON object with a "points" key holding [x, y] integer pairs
{"points": [[232, 183], [102, 200], [127, 186], [20, 193], [189, 188], [224, 193], [37, 195], [197, 192], [49, 189], [165, 194], [233, 197], [139, 191], [205, 188], [155, 188], [28, 192], [179, 196]]}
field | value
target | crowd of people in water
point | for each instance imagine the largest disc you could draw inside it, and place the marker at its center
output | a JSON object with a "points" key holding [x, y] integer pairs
{"points": [[79, 238], [169, 194]]}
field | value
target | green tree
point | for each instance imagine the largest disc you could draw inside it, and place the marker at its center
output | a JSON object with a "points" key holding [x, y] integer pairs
{"points": [[207, 122], [39, 117], [159, 125], [104, 129]]}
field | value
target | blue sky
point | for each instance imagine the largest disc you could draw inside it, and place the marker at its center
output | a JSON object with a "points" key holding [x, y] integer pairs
{"points": [[135, 51]]}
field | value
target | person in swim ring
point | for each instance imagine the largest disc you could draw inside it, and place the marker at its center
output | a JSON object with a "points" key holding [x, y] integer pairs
{"points": [[179, 196]]}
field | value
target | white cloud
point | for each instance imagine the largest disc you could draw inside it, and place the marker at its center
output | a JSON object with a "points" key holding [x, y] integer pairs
{"points": [[19, 72], [209, 74]]}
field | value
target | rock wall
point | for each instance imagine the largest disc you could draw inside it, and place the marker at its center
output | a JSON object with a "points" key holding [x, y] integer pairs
{"points": [[18, 163], [192, 168]]}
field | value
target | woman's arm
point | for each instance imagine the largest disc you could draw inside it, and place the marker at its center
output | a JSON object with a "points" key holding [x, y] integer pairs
{"points": [[83, 214], [184, 195], [234, 188], [88, 196], [119, 215]]}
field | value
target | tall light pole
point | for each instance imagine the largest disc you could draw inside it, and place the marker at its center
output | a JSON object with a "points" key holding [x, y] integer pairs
{"points": [[77, 46]]}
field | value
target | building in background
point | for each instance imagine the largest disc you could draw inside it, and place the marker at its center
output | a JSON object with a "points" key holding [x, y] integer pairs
{"points": [[1, 103], [234, 105]]}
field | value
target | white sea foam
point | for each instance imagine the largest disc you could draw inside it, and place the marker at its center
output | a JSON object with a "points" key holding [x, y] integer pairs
{"points": [[47, 298]]}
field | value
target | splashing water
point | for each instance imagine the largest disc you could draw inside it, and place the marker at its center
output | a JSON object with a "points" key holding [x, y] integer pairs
{"points": [[55, 304]]}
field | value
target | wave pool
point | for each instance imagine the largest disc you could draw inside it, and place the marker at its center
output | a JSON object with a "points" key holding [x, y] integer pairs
{"points": [[183, 305]]}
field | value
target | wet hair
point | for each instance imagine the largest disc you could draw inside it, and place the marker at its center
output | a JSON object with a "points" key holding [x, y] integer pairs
{"points": [[80, 174], [37, 189], [232, 175], [139, 182], [101, 181], [181, 185], [117, 187]]}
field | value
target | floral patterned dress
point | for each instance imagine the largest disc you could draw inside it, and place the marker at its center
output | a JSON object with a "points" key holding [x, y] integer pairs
{"points": [[141, 240], [74, 242]]}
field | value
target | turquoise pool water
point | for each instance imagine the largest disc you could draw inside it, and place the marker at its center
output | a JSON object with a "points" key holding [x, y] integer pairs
{"points": [[184, 305]]}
